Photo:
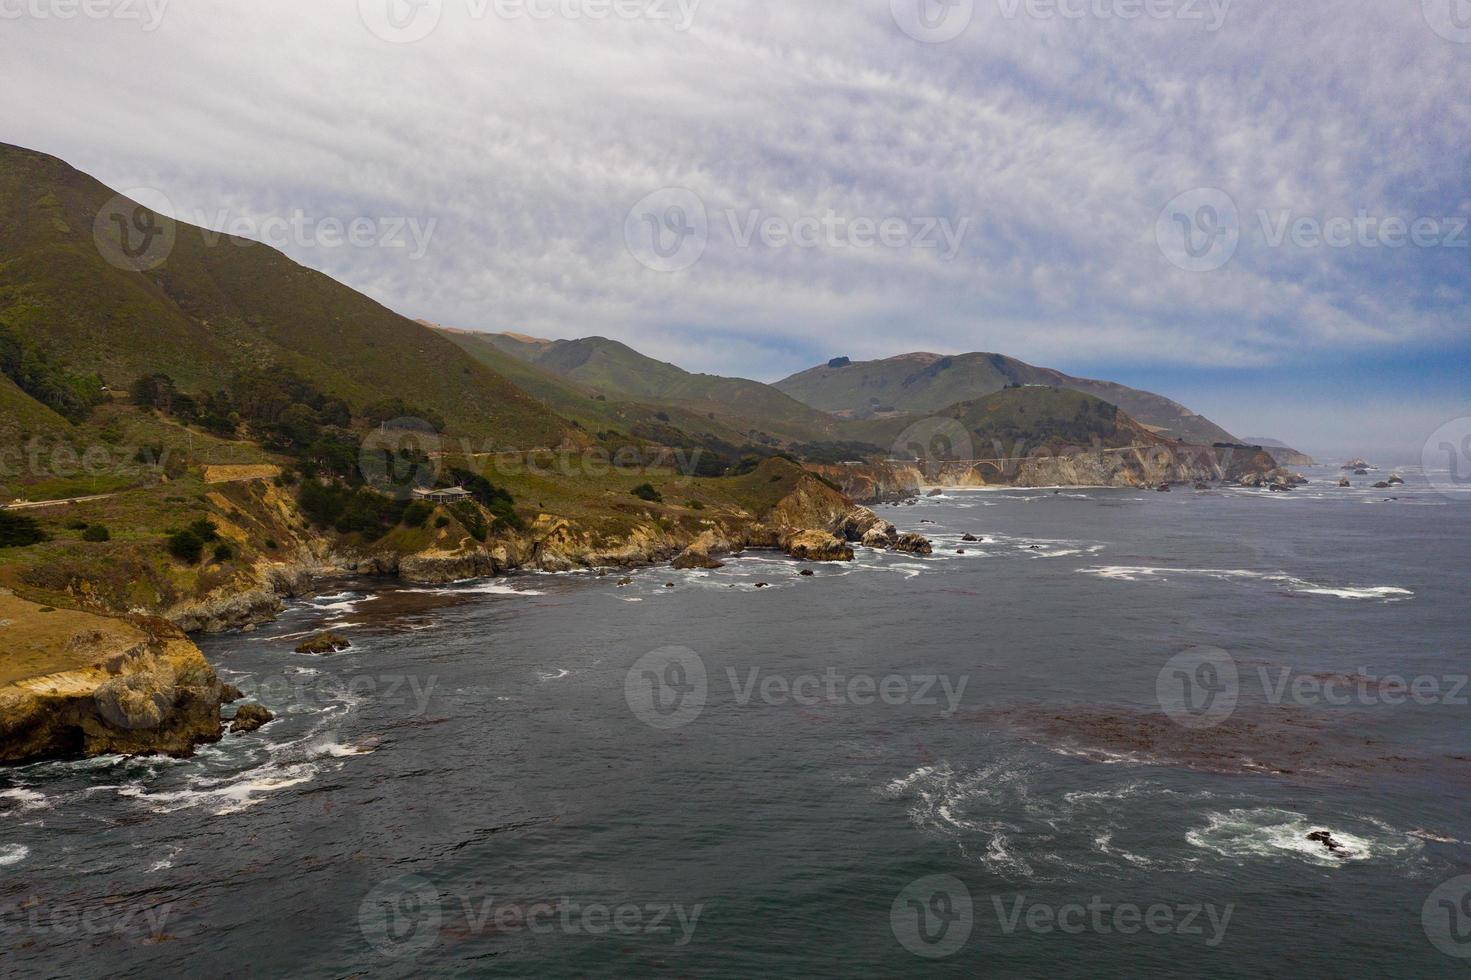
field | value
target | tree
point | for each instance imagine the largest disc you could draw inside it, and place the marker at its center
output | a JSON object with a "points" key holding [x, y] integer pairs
{"points": [[17, 531]]}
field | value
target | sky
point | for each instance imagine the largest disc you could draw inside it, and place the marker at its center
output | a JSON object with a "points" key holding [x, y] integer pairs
{"points": [[1256, 207]]}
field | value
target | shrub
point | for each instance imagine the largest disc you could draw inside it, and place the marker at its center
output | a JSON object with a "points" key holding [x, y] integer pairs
{"points": [[96, 532], [417, 513], [441, 521], [17, 531], [76, 525], [646, 491], [468, 513], [204, 530], [271, 544], [695, 504], [186, 547], [224, 552]]}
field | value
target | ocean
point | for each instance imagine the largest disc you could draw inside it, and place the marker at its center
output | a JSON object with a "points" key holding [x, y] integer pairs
{"points": [[1122, 734]]}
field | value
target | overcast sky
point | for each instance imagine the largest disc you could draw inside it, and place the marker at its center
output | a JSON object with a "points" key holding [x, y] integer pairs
{"points": [[826, 177]]}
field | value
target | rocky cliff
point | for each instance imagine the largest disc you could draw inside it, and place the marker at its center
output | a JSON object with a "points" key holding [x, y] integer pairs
{"points": [[73, 683]]}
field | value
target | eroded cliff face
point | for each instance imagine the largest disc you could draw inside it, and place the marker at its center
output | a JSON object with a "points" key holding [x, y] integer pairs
{"points": [[1143, 466], [75, 683]]}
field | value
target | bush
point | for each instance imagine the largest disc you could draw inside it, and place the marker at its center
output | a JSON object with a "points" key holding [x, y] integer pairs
{"points": [[271, 544], [417, 513], [204, 530], [76, 525], [186, 547], [96, 532], [224, 552], [441, 521], [17, 531], [646, 491], [468, 513], [695, 504]]}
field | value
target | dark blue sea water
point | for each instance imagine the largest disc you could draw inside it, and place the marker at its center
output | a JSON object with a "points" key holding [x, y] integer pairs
{"points": [[1097, 743]]}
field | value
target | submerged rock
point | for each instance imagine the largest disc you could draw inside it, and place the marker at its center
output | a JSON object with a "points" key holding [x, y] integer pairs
{"points": [[1326, 839], [324, 643], [1345, 482], [970, 537], [250, 717], [693, 558]]}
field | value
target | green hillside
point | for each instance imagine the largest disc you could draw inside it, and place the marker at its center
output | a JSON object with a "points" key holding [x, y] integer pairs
{"points": [[618, 370], [927, 383], [668, 424], [1015, 422], [218, 306]]}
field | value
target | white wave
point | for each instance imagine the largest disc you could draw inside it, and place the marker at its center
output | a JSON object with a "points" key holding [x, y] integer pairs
{"points": [[1140, 573], [1273, 833], [224, 796], [13, 854], [477, 587], [23, 799], [552, 675]]}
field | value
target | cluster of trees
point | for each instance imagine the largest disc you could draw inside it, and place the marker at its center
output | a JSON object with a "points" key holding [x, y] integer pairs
{"points": [[18, 531], [187, 545], [72, 396]]}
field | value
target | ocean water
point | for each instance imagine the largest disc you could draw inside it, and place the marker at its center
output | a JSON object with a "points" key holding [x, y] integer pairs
{"points": [[1099, 742]]}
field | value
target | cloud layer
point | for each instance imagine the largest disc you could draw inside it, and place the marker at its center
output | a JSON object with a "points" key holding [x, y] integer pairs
{"points": [[1054, 133]]}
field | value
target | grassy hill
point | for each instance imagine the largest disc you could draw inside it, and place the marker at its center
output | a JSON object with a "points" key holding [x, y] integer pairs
{"points": [[663, 424], [218, 306], [928, 383], [618, 371], [1016, 422]]}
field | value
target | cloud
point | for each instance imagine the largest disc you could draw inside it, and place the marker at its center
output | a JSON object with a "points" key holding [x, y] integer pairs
{"points": [[1056, 139]]}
